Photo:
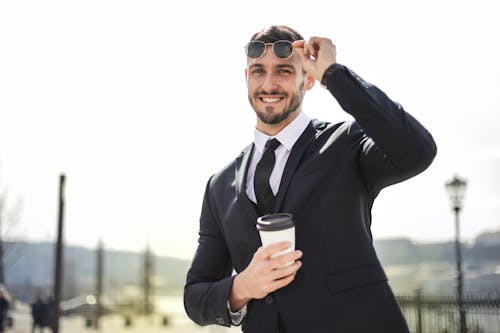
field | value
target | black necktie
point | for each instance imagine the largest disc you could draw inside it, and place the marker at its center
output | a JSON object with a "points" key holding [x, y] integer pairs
{"points": [[263, 192]]}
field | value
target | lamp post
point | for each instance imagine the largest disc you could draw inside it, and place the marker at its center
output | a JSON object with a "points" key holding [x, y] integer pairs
{"points": [[456, 191]]}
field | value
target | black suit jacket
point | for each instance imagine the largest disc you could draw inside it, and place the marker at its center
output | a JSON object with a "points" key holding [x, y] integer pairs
{"points": [[333, 174]]}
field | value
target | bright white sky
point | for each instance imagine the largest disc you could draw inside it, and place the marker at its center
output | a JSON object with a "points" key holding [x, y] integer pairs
{"points": [[139, 102]]}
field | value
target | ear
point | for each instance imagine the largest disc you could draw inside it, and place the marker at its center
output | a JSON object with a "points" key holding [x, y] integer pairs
{"points": [[246, 75], [308, 82]]}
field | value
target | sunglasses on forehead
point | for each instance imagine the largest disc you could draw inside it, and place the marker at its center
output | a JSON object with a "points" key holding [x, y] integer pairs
{"points": [[281, 49]]}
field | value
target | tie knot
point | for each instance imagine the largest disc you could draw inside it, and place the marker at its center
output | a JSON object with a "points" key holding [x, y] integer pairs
{"points": [[272, 144]]}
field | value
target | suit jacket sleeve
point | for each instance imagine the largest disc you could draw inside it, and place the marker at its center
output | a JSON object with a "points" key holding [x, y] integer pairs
{"points": [[209, 279], [393, 146]]}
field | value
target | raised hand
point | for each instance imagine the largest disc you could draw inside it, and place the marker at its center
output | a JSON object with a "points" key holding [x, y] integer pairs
{"points": [[316, 54]]}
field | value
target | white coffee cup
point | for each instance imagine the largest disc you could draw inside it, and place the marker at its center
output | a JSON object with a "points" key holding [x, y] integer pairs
{"points": [[275, 228]]}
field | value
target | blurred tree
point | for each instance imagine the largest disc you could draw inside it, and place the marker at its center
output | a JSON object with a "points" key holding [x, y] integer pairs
{"points": [[147, 282], [9, 217]]}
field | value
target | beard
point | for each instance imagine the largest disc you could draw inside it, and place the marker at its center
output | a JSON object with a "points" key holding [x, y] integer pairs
{"points": [[270, 115]]}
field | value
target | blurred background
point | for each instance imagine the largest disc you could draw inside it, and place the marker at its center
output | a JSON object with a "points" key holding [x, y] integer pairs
{"points": [[137, 103]]}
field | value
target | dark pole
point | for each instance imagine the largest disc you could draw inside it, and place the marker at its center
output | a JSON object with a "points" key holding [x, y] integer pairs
{"points": [[99, 273], [2, 210], [460, 277], [59, 258], [419, 310], [2, 276]]}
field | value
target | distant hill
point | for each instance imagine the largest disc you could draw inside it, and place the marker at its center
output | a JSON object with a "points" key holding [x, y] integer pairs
{"points": [[403, 251], [489, 238], [432, 267], [29, 266]]}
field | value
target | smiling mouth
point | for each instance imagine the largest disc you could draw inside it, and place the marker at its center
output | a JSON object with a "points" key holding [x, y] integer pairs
{"points": [[271, 99]]}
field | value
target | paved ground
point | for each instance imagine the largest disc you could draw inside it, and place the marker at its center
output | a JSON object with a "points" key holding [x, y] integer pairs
{"points": [[178, 323]]}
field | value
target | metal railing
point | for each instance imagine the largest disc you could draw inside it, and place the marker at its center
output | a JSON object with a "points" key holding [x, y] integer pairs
{"points": [[440, 314]]}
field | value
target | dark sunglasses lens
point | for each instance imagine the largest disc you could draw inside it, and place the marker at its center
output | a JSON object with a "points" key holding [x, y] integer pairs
{"points": [[282, 49], [255, 49]]}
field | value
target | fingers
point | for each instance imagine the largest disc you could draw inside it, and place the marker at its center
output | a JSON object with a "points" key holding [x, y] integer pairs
{"points": [[299, 47], [284, 259], [298, 43], [277, 284], [267, 251], [284, 272], [310, 49], [280, 278]]}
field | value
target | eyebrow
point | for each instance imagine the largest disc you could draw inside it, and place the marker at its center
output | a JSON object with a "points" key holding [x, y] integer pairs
{"points": [[255, 65], [288, 66]]}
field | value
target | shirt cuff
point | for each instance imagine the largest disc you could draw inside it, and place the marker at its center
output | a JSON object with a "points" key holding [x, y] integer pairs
{"points": [[238, 316]]}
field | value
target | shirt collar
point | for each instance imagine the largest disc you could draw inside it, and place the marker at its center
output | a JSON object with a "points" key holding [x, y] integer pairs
{"points": [[287, 136]]}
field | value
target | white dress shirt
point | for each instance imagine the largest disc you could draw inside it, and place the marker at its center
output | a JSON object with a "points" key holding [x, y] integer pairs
{"points": [[287, 137]]}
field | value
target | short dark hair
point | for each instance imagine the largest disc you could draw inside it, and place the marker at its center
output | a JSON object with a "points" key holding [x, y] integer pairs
{"points": [[276, 32]]}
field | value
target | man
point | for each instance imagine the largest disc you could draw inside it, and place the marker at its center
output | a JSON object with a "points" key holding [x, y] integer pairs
{"points": [[327, 176]]}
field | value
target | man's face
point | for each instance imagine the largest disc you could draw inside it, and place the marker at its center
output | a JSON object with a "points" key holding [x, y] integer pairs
{"points": [[275, 87]]}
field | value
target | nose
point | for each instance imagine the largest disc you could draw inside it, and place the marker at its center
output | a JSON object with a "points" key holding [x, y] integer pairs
{"points": [[269, 84]]}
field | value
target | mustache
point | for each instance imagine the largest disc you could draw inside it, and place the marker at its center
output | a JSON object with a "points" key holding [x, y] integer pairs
{"points": [[270, 93]]}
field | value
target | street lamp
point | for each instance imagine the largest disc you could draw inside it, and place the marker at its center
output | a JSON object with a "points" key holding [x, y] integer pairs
{"points": [[456, 191]]}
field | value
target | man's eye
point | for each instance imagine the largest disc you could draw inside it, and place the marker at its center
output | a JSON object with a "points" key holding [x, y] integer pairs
{"points": [[284, 71], [258, 71]]}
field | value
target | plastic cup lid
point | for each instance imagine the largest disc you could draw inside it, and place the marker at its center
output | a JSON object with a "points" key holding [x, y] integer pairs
{"points": [[275, 222]]}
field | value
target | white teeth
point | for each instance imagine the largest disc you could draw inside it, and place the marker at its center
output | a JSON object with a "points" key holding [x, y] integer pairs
{"points": [[271, 99]]}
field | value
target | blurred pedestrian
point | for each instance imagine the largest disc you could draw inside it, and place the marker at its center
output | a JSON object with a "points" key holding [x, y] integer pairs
{"points": [[39, 312], [4, 307]]}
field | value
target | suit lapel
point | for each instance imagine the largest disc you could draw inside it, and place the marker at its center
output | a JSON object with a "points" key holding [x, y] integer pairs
{"points": [[244, 209], [242, 169], [298, 150]]}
